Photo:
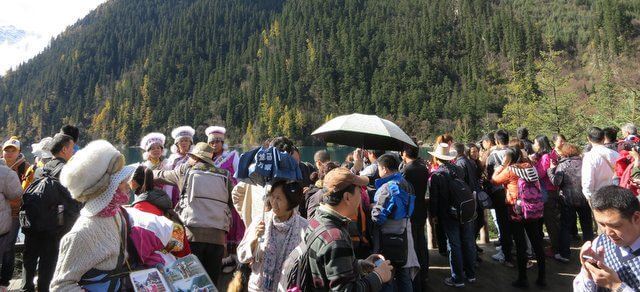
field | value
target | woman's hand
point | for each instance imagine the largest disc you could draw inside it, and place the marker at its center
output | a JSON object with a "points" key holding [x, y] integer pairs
{"points": [[259, 230]]}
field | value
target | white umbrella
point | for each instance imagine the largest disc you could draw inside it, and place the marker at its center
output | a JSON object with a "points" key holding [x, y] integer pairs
{"points": [[364, 131]]}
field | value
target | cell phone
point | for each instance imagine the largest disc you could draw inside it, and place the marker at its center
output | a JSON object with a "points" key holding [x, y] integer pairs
{"points": [[591, 260], [378, 262]]}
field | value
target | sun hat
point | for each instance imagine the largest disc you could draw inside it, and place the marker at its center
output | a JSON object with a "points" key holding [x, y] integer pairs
{"points": [[203, 151], [12, 142], [340, 178], [442, 151], [215, 132], [42, 149], [93, 174]]}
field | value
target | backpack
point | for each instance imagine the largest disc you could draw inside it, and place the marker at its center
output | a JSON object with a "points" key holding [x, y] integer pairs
{"points": [[298, 272], [205, 198], [462, 200], [43, 204], [529, 204]]}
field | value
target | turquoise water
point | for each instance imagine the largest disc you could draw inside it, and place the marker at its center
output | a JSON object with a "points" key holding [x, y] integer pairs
{"points": [[337, 153]]}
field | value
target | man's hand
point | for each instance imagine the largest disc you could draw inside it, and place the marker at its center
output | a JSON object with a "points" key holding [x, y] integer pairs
{"points": [[384, 271], [369, 264], [604, 276]]}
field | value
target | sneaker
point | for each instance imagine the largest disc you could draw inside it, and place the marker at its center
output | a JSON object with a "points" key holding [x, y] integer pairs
{"points": [[560, 258], [529, 264], [449, 282], [508, 264], [472, 280], [498, 257]]}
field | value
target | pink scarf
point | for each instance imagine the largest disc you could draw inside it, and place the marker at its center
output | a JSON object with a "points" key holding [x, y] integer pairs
{"points": [[119, 199]]}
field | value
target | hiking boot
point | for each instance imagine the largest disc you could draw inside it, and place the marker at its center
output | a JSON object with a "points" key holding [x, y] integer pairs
{"points": [[560, 258], [498, 256], [449, 282]]}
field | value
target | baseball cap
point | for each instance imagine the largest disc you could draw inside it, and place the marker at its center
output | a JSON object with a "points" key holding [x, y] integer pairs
{"points": [[12, 142], [340, 178]]}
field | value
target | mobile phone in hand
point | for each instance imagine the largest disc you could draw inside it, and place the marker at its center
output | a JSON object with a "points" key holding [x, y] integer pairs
{"points": [[591, 260], [379, 262]]}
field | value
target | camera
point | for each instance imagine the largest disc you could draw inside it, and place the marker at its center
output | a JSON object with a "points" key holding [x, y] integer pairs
{"points": [[628, 146]]}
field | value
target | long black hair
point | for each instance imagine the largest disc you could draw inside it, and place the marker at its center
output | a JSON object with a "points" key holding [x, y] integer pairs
{"points": [[144, 178], [544, 146]]}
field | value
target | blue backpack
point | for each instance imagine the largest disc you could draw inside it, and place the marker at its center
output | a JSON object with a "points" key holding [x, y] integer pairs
{"points": [[400, 204]]}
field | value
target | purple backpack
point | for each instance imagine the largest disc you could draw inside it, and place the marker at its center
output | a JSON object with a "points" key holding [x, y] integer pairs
{"points": [[529, 204]]}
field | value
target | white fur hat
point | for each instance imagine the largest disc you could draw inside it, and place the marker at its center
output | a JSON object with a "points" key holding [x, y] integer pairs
{"points": [[215, 130], [183, 131], [90, 175], [42, 149], [152, 139]]}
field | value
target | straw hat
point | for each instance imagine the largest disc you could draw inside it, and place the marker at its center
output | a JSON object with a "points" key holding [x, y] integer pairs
{"points": [[442, 151]]}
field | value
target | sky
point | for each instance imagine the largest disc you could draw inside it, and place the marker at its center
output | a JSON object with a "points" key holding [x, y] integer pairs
{"points": [[41, 20]]}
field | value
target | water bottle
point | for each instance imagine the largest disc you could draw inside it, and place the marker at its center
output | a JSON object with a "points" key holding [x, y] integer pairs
{"points": [[60, 215]]}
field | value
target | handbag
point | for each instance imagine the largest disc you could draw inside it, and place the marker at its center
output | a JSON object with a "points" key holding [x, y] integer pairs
{"points": [[395, 248], [484, 200]]}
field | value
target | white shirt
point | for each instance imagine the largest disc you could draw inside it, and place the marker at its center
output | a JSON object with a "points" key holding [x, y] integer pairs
{"points": [[596, 172]]}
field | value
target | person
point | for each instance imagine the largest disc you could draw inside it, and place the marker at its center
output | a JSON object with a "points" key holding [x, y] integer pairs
{"points": [[390, 214], [321, 157], [306, 169], [204, 206], [558, 141], [10, 190], [74, 132], [42, 154], [487, 145], [95, 246], [370, 170], [14, 159], [282, 230], [542, 161], [332, 262], [153, 156], [516, 167], [182, 144], [523, 135], [460, 236], [629, 132], [498, 197], [415, 171], [611, 138], [227, 159], [612, 260], [314, 195], [468, 160], [41, 247], [156, 201], [597, 164], [566, 175]]}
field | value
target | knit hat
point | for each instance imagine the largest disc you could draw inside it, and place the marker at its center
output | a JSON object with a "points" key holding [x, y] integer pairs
{"points": [[42, 149], [183, 131], [215, 132], [12, 142], [93, 175]]}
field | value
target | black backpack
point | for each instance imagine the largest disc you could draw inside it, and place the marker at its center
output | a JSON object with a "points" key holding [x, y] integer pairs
{"points": [[462, 199], [40, 204], [298, 273]]}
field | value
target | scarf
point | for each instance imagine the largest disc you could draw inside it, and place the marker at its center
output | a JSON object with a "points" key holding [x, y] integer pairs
{"points": [[119, 198], [275, 253]]}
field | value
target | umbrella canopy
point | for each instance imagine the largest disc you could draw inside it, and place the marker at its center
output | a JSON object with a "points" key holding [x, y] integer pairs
{"points": [[364, 131]]}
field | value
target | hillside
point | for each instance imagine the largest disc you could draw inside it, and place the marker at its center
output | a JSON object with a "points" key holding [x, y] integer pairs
{"points": [[274, 67]]}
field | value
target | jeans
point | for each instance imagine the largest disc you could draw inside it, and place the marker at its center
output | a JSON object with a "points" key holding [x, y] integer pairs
{"points": [[461, 244], [401, 282], [567, 219], [422, 252], [552, 218], [41, 249], [210, 255], [9, 256], [532, 229]]}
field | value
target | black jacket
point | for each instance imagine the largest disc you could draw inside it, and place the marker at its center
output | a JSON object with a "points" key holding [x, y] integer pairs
{"points": [[439, 188], [417, 174], [469, 172]]}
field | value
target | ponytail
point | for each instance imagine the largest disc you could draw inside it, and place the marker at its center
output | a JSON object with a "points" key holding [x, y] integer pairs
{"points": [[144, 179]]}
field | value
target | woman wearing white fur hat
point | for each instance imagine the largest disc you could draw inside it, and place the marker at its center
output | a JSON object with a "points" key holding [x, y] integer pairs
{"points": [[222, 157], [182, 144], [96, 246], [153, 145]]}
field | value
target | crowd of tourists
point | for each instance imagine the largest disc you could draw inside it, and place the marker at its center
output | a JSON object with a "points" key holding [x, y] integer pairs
{"points": [[282, 224]]}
